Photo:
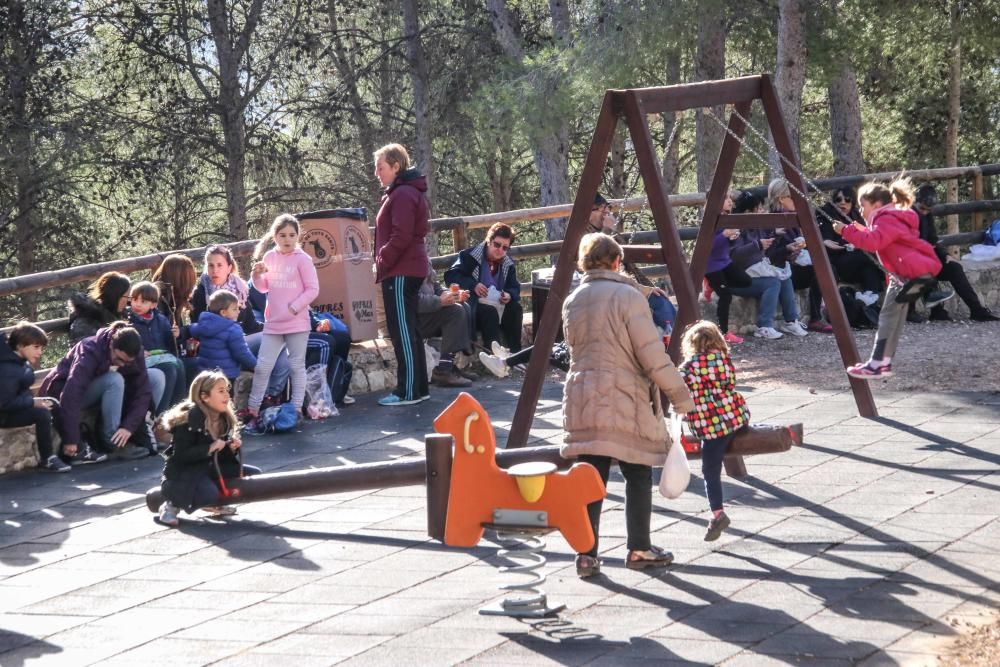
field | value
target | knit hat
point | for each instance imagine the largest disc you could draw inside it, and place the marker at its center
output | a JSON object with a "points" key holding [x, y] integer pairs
{"points": [[600, 200]]}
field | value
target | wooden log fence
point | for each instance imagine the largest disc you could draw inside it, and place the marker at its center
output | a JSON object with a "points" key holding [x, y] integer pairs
{"points": [[459, 225]]}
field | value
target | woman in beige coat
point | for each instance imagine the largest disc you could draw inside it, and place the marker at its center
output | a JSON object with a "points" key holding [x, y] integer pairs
{"points": [[611, 404]]}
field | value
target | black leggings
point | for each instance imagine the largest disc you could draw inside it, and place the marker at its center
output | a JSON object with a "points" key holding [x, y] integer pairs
{"points": [[558, 358], [638, 501], [721, 281], [803, 277]]}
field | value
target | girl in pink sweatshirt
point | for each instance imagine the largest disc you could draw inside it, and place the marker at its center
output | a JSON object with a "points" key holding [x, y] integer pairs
{"points": [[287, 275]]}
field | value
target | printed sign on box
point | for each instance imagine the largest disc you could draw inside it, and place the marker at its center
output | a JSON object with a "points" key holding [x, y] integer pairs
{"points": [[341, 249]]}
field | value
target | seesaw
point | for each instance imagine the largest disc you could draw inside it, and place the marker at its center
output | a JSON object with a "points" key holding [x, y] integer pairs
{"points": [[521, 494]]}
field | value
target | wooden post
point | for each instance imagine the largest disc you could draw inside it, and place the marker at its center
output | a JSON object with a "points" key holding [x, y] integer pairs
{"points": [[458, 235], [977, 195], [438, 453], [593, 170], [821, 261]]}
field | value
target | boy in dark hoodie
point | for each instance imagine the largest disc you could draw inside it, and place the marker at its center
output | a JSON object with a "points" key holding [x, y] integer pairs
{"points": [[159, 342], [19, 353], [223, 344]]}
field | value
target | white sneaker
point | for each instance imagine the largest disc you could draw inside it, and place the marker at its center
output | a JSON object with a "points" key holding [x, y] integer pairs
{"points": [[867, 298], [793, 328], [494, 364], [168, 515], [498, 351], [767, 332], [347, 400]]}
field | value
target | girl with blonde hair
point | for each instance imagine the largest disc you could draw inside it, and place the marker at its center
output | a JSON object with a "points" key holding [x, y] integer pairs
{"points": [[205, 442]]}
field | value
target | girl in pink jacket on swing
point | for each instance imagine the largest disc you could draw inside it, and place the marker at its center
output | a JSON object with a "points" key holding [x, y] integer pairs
{"points": [[893, 234]]}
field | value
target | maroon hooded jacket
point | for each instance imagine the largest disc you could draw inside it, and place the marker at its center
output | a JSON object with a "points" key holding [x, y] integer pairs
{"points": [[400, 227]]}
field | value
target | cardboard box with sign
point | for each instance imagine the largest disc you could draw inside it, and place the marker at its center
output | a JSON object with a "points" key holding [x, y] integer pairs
{"points": [[339, 243]]}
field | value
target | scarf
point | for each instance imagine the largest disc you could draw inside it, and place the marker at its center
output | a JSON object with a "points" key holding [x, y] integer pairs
{"points": [[233, 283]]}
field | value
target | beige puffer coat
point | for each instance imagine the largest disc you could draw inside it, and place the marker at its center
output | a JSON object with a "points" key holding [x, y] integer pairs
{"points": [[611, 401]]}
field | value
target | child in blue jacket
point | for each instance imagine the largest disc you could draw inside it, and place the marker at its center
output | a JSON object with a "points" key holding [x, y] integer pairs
{"points": [[159, 342], [223, 344], [19, 352]]}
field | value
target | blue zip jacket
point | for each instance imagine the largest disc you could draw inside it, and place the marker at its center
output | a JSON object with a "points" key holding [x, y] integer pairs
{"points": [[16, 378], [155, 332], [222, 345]]}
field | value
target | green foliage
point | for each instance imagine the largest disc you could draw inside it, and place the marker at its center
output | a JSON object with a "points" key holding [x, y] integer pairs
{"points": [[117, 125]]}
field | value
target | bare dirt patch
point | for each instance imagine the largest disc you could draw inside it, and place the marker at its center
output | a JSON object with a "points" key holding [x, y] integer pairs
{"points": [[935, 356]]}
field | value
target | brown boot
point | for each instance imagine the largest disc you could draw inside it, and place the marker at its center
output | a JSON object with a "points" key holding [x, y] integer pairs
{"points": [[447, 377]]}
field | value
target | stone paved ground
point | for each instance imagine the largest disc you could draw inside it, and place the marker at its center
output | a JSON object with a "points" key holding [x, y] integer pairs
{"points": [[869, 545]]}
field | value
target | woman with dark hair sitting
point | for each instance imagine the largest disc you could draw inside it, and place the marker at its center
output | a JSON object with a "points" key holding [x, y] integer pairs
{"points": [[103, 303], [850, 264]]}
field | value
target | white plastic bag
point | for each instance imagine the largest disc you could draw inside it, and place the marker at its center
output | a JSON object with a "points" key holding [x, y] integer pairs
{"points": [[432, 358], [321, 403], [676, 474]]}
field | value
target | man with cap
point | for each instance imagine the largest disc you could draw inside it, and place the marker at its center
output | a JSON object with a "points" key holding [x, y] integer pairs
{"points": [[951, 271]]}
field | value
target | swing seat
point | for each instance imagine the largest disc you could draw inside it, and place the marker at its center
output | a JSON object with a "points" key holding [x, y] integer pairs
{"points": [[914, 288]]}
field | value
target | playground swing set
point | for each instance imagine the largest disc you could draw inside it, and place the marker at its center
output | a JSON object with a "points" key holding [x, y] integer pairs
{"points": [[524, 492]]}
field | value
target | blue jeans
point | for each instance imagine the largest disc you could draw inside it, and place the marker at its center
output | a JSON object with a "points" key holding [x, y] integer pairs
{"points": [[175, 380], [712, 452], [770, 291], [108, 393], [767, 290]]}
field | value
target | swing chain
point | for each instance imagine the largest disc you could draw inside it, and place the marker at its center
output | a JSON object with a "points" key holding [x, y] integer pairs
{"points": [[764, 161]]}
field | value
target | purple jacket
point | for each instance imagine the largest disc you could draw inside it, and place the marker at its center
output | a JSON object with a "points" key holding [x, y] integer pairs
{"points": [[400, 227], [85, 362], [719, 258]]}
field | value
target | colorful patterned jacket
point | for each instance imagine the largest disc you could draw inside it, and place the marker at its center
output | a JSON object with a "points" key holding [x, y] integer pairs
{"points": [[718, 408]]}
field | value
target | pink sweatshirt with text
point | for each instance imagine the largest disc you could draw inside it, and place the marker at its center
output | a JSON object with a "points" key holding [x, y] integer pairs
{"points": [[290, 280]]}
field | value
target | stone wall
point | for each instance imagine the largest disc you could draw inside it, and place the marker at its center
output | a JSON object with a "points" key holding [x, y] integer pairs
{"points": [[17, 449], [983, 276]]}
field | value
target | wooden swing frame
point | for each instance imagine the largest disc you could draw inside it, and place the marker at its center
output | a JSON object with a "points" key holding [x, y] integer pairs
{"points": [[633, 106]]}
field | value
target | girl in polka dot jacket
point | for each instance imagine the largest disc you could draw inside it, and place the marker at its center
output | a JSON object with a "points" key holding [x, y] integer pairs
{"points": [[719, 409]]}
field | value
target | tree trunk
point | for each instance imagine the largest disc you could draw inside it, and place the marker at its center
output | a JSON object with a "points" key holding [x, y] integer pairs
{"points": [[231, 108], [790, 74], [672, 128], [418, 76], [954, 109], [21, 146], [618, 185], [551, 149], [367, 135], [845, 123], [710, 64], [500, 172]]}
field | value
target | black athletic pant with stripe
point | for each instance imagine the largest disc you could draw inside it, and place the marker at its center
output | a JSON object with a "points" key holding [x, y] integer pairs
{"points": [[399, 294]]}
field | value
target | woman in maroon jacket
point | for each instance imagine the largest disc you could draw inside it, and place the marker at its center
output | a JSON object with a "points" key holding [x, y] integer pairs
{"points": [[893, 233], [401, 265]]}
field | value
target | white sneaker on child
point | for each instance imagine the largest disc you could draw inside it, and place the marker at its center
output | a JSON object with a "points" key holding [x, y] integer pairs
{"points": [[168, 515], [494, 364], [499, 350], [767, 332], [793, 328]]}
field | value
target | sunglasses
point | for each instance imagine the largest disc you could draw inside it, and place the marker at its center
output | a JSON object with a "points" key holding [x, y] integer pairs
{"points": [[500, 246], [841, 200]]}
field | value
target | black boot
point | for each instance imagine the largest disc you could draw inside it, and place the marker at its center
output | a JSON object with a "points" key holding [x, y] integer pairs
{"points": [[983, 314]]}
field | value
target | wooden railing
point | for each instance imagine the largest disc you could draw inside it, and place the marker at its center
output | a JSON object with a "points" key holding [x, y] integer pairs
{"points": [[459, 225]]}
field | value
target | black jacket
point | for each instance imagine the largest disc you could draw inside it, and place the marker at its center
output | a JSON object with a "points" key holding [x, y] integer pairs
{"points": [[16, 378], [928, 232], [468, 266], [188, 461], [87, 316]]}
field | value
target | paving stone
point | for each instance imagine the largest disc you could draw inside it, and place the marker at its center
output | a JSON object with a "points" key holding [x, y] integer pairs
{"points": [[338, 644]]}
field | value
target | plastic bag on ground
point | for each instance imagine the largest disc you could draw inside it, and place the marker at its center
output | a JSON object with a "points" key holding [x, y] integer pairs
{"points": [[319, 399]]}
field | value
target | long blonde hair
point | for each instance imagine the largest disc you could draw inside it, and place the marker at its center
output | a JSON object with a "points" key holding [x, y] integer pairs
{"points": [[282, 221], [899, 192], [703, 337], [201, 386]]}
